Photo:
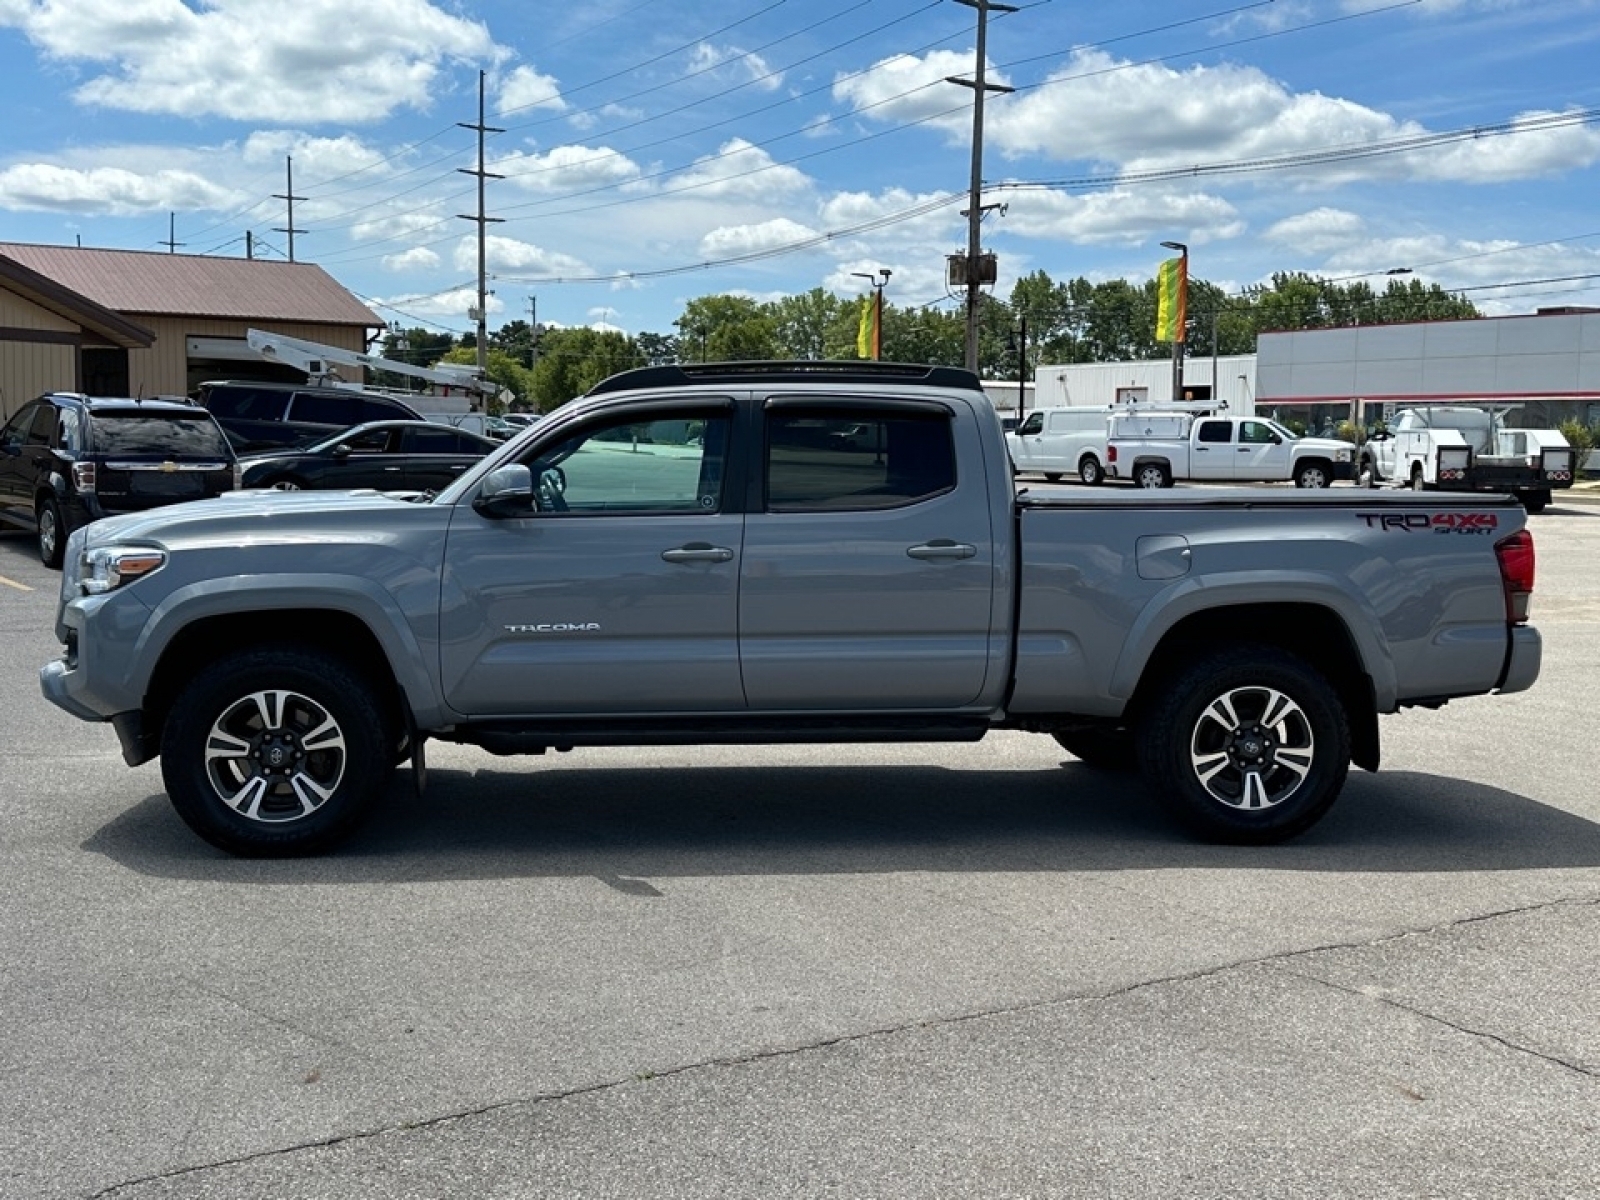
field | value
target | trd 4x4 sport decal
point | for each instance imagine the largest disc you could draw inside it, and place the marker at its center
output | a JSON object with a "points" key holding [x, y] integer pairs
{"points": [[1482, 523]]}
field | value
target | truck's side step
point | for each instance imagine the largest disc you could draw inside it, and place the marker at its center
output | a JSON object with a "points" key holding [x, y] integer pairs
{"points": [[537, 735]]}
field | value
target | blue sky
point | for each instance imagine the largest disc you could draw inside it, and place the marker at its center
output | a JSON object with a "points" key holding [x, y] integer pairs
{"points": [[657, 151]]}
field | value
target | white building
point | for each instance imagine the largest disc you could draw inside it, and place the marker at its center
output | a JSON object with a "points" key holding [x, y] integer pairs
{"points": [[1544, 366], [1228, 379]]}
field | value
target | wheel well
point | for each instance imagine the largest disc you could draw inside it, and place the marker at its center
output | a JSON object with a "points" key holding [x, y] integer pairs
{"points": [[336, 634], [1308, 631]]}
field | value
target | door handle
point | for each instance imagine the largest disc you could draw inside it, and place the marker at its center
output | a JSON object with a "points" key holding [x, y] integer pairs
{"points": [[698, 552], [941, 548]]}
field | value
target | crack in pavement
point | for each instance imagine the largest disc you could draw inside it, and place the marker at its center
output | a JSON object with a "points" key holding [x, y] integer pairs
{"points": [[758, 1056]]}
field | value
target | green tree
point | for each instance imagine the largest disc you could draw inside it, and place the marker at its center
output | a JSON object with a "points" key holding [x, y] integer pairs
{"points": [[728, 329], [801, 324]]}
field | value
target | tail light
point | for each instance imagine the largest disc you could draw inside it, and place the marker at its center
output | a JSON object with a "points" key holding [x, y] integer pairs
{"points": [[1516, 574], [1454, 463], [1111, 452], [1559, 465], [83, 476]]}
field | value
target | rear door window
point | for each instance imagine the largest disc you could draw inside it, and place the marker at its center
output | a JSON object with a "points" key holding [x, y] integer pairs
{"points": [[907, 455], [323, 408], [247, 403], [378, 408]]}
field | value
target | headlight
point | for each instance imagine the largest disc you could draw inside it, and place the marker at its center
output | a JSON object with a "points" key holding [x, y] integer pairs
{"points": [[1341, 456], [106, 568]]}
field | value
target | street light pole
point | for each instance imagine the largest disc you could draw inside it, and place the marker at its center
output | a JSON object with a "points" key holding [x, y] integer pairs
{"points": [[1178, 332]]}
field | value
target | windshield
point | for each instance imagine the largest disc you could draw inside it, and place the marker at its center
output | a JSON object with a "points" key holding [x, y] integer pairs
{"points": [[1282, 431]]}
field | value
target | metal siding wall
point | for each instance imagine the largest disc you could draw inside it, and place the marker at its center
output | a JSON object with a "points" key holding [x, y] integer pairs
{"points": [[18, 313], [28, 369], [164, 368]]}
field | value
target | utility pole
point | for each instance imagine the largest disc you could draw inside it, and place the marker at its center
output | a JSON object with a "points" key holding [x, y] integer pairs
{"points": [[172, 243], [483, 221], [974, 212], [533, 331], [249, 244], [289, 196]]}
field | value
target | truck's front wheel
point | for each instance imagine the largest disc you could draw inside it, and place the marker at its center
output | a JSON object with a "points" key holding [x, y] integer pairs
{"points": [[275, 751], [1249, 745], [1313, 474]]}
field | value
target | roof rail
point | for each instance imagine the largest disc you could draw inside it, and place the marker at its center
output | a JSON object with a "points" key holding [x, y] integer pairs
{"points": [[804, 371]]}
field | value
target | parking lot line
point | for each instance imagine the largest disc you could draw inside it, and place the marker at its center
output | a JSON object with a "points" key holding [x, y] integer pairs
{"points": [[21, 587]]}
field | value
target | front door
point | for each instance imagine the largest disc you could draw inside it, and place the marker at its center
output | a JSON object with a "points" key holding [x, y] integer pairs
{"points": [[618, 593], [869, 579], [1261, 453]]}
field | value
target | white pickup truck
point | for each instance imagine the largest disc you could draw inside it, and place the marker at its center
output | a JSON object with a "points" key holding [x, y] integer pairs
{"points": [[1463, 448], [1154, 450]]}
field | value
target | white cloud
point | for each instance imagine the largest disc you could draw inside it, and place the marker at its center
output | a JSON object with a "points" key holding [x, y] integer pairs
{"points": [[750, 65], [526, 88], [510, 255], [1320, 231], [567, 169], [731, 240], [418, 258], [112, 191], [1120, 217], [905, 89], [310, 60], [740, 169]]}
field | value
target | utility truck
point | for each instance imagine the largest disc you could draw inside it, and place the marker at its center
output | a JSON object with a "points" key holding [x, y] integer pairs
{"points": [[1468, 448], [689, 556], [1154, 450]]}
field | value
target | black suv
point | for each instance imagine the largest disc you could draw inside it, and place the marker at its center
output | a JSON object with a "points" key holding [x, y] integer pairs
{"points": [[68, 459], [265, 416]]}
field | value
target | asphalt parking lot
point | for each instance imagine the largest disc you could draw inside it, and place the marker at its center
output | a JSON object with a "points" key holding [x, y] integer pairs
{"points": [[903, 971]]}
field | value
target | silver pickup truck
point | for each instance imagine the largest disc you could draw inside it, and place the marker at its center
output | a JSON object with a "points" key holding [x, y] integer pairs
{"points": [[756, 553]]}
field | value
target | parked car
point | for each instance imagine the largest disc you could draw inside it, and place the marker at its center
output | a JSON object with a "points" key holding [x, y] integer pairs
{"points": [[259, 415], [67, 459], [389, 455], [1464, 448]]}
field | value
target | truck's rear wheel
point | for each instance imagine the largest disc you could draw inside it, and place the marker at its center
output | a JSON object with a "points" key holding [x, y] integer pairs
{"points": [[1535, 501], [1248, 745], [1152, 475], [275, 751], [1419, 481]]}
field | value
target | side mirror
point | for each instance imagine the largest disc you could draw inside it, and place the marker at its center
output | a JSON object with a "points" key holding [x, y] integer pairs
{"points": [[506, 492], [342, 450]]}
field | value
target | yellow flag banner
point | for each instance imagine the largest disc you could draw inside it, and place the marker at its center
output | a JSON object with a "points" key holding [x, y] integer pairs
{"points": [[867, 334], [1172, 299]]}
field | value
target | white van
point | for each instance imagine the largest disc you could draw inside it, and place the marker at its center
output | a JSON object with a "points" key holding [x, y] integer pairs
{"points": [[1054, 442]]}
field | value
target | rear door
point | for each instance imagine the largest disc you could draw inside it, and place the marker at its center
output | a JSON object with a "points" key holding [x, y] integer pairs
{"points": [[1212, 449], [869, 581], [432, 457], [620, 593], [22, 450]]}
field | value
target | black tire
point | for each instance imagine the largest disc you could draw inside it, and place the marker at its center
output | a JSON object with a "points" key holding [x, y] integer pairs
{"points": [[1367, 473], [285, 483], [1152, 475], [1313, 474], [1535, 501], [1053, 476], [1419, 482], [314, 752], [1249, 745], [53, 532], [1090, 471], [1102, 749]]}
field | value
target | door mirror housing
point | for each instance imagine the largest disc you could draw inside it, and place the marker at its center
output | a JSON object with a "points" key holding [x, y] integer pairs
{"points": [[506, 492]]}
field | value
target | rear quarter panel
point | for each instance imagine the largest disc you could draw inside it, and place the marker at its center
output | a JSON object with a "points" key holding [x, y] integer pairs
{"points": [[1416, 584]]}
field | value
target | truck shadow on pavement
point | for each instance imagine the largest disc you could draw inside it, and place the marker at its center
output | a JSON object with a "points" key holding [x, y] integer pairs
{"points": [[630, 824]]}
